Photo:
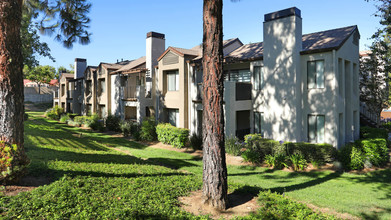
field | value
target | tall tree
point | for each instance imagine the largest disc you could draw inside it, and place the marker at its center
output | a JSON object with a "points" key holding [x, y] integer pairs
{"points": [[66, 16], [214, 188], [40, 75], [31, 44], [373, 84]]}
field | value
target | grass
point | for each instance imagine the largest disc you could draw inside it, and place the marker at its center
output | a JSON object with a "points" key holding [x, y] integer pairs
{"points": [[93, 180]]}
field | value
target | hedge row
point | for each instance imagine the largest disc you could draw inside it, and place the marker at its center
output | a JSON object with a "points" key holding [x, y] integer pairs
{"points": [[168, 134], [311, 152]]}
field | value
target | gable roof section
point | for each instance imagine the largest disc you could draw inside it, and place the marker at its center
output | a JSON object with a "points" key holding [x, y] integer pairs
{"points": [[140, 62], [68, 75], [312, 43], [182, 52]]}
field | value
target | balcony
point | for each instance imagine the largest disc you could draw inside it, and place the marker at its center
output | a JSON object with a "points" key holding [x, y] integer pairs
{"points": [[133, 93]]}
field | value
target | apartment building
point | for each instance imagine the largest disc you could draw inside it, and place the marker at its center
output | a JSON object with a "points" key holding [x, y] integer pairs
{"points": [[133, 86], [291, 87]]}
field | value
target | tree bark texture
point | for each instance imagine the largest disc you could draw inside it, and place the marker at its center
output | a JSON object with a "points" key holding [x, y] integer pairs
{"points": [[214, 165], [11, 76]]}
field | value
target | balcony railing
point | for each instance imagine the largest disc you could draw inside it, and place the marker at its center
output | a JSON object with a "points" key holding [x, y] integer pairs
{"points": [[243, 91], [133, 92]]}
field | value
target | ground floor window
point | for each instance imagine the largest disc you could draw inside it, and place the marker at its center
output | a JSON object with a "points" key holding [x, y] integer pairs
{"points": [[316, 128], [173, 117], [258, 122]]}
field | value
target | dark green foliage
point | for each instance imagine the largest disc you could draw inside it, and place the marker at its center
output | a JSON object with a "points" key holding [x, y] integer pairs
{"points": [[168, 134], [12, 162], [112, 123], [95, 123], [261, 145], [126, 127], [26, 116], [368, 152], [148, 129], [54, 113], [195, 141], [324, 153], [387, 126], [250, 156], [233, 146], [368, 132], [275, 206]]}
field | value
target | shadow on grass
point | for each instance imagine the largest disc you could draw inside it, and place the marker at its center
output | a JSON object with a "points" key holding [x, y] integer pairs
{"points": [[172, 163], [376, 215]]}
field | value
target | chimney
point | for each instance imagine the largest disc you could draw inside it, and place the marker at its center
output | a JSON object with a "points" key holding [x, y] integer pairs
{"points": [[282, 43], [80, 67], [156, 45]]}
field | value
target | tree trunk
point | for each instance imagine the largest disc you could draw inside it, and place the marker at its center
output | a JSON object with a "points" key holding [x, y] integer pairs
{"points": [[11, 76], [215, 170]]}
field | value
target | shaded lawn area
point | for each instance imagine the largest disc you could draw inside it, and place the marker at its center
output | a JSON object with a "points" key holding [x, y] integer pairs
{"points": [[138, 186]]}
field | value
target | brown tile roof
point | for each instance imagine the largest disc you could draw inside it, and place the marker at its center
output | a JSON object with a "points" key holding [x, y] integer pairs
{"points": [[182, 52], [312, 43], [140, 62], [115, 65]]}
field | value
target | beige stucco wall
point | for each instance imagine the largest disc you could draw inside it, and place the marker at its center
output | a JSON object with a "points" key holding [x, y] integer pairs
{"points": [[174, 99]]}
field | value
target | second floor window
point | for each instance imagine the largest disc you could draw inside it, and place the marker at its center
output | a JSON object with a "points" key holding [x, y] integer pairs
{"points": [[315, 74], [238, 75], [173, 80], [258, 78], [102, 87]]}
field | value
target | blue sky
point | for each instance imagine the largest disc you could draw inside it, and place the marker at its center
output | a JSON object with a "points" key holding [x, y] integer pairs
{"points": [[119, 27]]}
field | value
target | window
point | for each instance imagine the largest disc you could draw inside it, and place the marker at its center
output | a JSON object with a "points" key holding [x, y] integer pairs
{"points": [[102, 111], [173, 117], [238, 75], [140, 80], [258, 122], [102, 87], [316, 128], [173, 80], [258, 77], [315, 76]]}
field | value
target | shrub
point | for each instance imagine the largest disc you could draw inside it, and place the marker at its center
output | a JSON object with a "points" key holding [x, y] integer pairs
{"points": [[148, 129], [95, 123], [261, 145], [25, 116], [313, 152], [13, 162], [368, 132], [275, 206], [126, 127], [387, 126], [251, 156], [73, 123], [72, 115], [195, 141], [54, 113], [298, 162], [169, 134], [81, 119], [277, 161], [112, 123], [233, 146], [64, 118], [376, 151]]}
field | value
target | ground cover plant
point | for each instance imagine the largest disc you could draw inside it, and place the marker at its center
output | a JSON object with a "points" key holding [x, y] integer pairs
{"points": [[92, 180]]}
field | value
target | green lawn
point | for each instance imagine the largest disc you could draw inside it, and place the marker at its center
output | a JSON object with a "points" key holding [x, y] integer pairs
{"points": [[115, 185]]}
